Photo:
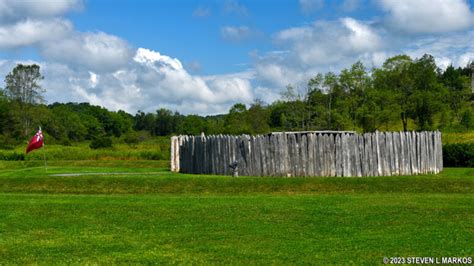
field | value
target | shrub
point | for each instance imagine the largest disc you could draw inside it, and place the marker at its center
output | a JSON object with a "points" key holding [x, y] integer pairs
{"points": [[458, 155], [7, 143], [132, 139], [66, 142], [150, 155], [13, 156], [101, 142]]}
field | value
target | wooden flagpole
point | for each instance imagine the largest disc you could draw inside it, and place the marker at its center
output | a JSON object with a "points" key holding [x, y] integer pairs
{"points": [[44, 153], [44, 157]]}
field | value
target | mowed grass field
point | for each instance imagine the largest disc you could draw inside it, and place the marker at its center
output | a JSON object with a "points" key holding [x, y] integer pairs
{"points": [[139, 212]]}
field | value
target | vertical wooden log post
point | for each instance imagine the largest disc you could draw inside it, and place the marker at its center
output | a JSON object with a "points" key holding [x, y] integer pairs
{"points": [[396, 152], [345, 155], [339, 154], [369, 158], [439, 151], [390, 154], [332, 155]]}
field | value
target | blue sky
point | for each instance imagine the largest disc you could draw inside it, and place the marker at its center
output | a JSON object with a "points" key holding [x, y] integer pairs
{"points": [[192, 30], [204, 56]]}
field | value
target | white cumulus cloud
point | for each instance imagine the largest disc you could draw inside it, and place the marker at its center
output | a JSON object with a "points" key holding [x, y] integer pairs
{"points": [[328, 42], [316, 48], [149, 81], [361, 37], [95, 51], [37, 24], [14, 10], [163, 79], [428, 16], [32, 32], [455, 48]]}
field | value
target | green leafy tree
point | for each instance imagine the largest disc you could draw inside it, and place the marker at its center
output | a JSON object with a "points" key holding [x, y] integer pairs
{"points": [[22, 85], [333, 90], [94, 127], [258, 117], [355, 82], [71, 123], [236, 121], [395, 81], [165, 122], [318, 102], [457, 83], [427, 99], [3, 113], [122, 122], [277, 115], [295, 116], [314, 105], [215, 124], [193, 125], [144, 121]]}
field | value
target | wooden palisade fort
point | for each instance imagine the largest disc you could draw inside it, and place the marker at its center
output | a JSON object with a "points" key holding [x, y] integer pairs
{"points": [[314, 153]]}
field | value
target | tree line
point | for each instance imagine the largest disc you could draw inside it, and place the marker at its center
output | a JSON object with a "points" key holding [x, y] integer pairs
{"points": [[402, 94]]}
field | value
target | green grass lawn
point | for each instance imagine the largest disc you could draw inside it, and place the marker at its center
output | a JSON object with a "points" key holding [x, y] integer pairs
{"points": [[151, 215]]}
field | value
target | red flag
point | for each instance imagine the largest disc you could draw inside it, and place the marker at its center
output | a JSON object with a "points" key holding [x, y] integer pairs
{"points": [[36, 142]]}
